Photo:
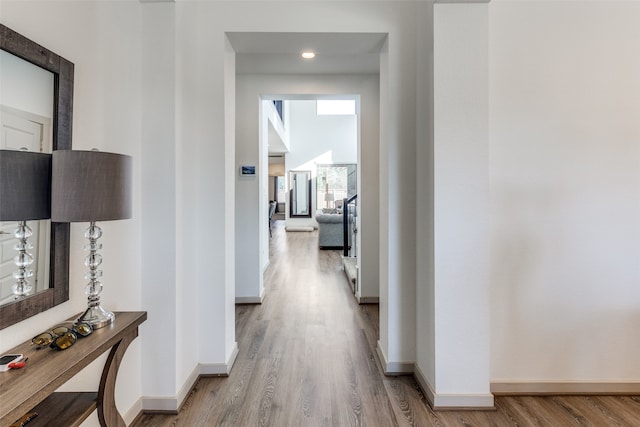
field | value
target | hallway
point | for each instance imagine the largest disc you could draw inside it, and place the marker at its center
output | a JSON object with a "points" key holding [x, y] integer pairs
{"points": [[306, 355], [307, 358]]}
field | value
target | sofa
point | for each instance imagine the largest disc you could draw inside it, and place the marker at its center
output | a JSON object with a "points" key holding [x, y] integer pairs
{"points": [[330, 230]]}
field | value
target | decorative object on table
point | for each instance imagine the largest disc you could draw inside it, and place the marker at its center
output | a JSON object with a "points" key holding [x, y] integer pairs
{"points": [[91, 186], [62, 337], [25, 192], [8, 359], [18, 365]]}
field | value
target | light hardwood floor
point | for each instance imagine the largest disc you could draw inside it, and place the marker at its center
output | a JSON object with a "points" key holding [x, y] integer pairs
{"points": [[307, 358]]}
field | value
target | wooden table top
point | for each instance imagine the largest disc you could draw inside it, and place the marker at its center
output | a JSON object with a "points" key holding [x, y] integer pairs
{"points": [[47, 369]]}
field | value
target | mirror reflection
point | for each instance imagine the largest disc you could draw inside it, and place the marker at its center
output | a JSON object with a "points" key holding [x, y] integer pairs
{"points": [[26, 117], [300, 201]]}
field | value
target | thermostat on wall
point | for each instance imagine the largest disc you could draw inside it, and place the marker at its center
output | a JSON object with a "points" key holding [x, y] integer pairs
{"points": [[247, 170]]}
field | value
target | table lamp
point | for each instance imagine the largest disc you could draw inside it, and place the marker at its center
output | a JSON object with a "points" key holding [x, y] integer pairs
{"points": [[328, 198], [91, 186], [25, 194]]}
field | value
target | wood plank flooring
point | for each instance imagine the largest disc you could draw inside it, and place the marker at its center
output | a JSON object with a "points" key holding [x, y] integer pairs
{"points": [[307, 358]]}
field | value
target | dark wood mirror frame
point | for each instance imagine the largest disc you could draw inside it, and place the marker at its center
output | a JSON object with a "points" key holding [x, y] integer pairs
{"points": [[58, 291], [307, 184]]}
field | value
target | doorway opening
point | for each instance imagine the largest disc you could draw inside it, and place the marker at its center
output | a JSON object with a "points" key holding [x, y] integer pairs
{"points": [[337, 73], [313, 164]]}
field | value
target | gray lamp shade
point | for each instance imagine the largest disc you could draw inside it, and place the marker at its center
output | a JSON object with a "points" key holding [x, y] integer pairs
{"points": [[90, 186], [25, 185]]}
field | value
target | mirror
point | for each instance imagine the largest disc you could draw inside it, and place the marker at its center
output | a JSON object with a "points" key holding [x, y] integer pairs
{"points": [[300, 194], [58, 257]]}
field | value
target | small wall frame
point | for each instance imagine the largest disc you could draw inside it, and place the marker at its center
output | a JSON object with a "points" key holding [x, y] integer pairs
{"points": [[248, 170]]}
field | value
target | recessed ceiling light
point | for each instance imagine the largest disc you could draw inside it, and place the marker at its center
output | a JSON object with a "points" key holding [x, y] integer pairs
{"points": [[308, 55]]}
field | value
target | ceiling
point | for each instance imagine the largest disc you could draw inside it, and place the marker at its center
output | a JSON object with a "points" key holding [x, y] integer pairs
{"points": [[279, 53]]}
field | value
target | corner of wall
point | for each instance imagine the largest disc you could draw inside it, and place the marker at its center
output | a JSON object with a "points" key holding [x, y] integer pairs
{"points": [[393, 368]]}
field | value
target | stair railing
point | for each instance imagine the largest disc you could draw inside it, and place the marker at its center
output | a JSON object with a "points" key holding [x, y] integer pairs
{"points": [[345, 222]]}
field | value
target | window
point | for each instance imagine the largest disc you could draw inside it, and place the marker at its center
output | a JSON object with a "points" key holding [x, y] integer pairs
{"points": [[279, 108], [333, 184], [280, 189], [336, 107]]}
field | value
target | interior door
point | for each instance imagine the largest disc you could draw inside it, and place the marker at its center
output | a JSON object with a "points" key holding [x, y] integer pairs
{"points": [[23, 130]]}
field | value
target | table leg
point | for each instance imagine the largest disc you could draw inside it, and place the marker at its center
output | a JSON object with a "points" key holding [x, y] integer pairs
{"points": [[107, 412]]}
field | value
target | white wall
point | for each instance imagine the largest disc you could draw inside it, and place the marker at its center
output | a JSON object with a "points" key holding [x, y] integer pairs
{"points": [[313, 136], [250, 214], [107, 115], [425, 302], [565, 191], [317, 140], [160, 256], [206, 66], [397, 180]]}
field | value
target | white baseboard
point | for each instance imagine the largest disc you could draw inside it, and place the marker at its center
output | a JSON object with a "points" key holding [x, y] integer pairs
{"points": [[424, 385], [188, 385], [393, 368], [564, 387], [250, 300], [162, 404], [299, 228], [368, 300], [220, 369], [480, 401], [172, 404], [451, 402], [130, 416]]}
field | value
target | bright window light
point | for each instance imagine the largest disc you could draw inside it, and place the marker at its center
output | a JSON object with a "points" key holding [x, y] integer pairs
{"points": [[336, 107]]}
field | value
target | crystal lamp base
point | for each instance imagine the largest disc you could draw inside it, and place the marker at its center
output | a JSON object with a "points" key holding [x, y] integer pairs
{"points": [[97, 317]]}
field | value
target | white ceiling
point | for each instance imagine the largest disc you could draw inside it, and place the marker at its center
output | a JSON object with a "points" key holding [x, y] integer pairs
{"points": [[279, 53]]}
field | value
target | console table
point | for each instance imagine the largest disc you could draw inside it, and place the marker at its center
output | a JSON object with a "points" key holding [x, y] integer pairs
{"points": [[32, 388]]}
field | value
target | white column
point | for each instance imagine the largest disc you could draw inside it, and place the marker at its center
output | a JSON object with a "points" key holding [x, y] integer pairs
{"points": [[158, 194], [396, 347], [461, 291]]}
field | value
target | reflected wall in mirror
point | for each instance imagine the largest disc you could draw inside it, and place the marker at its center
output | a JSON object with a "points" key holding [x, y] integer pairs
{"points": [[36, 107], [300, 194]]}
